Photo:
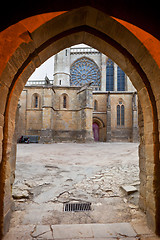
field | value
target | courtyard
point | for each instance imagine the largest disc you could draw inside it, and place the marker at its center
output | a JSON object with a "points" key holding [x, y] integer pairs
{"points": [[48, 176]]}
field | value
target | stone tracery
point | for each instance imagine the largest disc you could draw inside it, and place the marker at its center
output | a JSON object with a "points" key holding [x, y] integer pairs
{"points": [[83, 71]]}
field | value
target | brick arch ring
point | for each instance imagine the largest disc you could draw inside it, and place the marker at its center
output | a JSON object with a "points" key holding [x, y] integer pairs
{"points": [[27, 44]]}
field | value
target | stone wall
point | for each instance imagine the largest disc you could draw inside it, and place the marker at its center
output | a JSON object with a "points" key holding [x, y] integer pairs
{"points": [[100, 114], [85, 100], [72, 122], [118, 133], [142, 160], [54, 122], [121, 133], [22, 119]]}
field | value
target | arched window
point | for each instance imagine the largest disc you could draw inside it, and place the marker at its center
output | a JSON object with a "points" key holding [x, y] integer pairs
{"points": [[110, 75], [95, 105], [120, 114], [64, 101], [120, 79], [35, 100]]}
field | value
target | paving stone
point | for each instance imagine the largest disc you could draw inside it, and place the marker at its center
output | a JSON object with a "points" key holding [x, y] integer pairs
{"points": [[18, 194], [141, 229], [20, 232], [113, 230], [42, 231], [149, 238], [82, 231], [72, 231], [129, 189], [126, 238]]}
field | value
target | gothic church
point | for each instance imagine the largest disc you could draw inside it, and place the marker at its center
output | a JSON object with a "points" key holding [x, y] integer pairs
{"points": [[89, 98]]}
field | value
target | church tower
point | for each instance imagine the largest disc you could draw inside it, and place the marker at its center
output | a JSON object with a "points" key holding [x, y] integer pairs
{"points": [[61, 75]]}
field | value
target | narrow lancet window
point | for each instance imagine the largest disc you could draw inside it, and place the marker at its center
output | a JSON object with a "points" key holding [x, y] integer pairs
{"points": [[64, 102], [110, 75]]}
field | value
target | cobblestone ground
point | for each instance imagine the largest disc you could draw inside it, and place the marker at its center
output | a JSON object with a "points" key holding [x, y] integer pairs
{"points": [[50, 175]]}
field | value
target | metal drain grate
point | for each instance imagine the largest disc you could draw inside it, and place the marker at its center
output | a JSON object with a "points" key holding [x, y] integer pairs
{"points": [[77, 207]]}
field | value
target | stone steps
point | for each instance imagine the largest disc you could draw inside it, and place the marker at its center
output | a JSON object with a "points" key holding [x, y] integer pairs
{"points": [[110, 231], [73, 231]]}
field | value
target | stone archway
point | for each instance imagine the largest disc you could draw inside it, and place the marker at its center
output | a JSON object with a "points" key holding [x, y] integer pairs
{"points": [[28, 47], [98, 126]]}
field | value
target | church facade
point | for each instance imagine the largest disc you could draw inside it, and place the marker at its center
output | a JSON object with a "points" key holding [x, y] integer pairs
{"points": [[89, 98]]}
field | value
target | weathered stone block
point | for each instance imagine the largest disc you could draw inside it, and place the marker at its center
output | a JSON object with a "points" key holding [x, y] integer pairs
{"points": [[1, 119], [46, 136], [27, 72], [129, 189], [142, 203], [1, 133], [0, 151], [3, 94], [150, 201], [150, 168], [149, 150], [151, 219]]}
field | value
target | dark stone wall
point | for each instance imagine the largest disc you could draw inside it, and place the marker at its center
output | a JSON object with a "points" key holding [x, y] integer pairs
{"points": [[142, 160], [121, 135], [48, 136]]}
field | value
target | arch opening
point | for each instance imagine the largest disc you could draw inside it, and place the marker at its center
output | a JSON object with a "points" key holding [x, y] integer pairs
{"points": [[139, 75]]}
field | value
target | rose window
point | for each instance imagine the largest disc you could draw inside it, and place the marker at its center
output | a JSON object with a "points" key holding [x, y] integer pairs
{"points": [[83, 71]]}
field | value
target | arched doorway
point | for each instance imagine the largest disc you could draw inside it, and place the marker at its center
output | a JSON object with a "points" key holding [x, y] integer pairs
{"points": [[28, 48], [96, 131]]}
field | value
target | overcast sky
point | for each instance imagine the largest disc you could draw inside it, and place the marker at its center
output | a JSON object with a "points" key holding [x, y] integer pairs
{"points": [[47, 68]]}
